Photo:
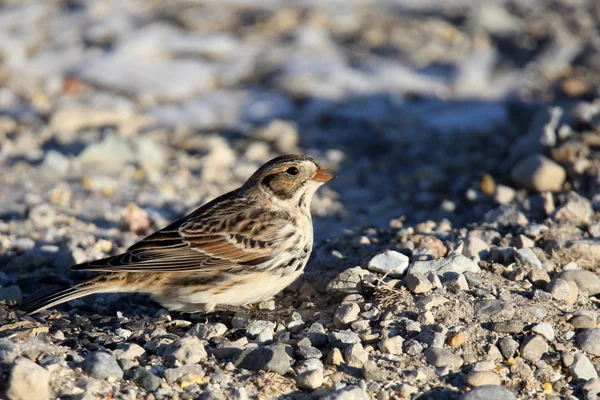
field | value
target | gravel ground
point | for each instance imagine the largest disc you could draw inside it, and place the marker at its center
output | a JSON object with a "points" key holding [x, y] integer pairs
{"points": [[457, 254]]}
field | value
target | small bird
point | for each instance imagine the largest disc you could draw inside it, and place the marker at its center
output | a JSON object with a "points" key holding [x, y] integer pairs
{"points": [[241, 248]]}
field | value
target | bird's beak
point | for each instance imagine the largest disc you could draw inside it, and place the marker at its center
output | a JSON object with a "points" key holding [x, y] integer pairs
{"points": [[323, 175]]}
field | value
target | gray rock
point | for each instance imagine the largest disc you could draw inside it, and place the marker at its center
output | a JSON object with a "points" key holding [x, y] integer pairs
{"points": [[539, 174], [268, 358], [413, 348], [544, 329], [526, 258], [431, 338], [562, 290], [475, 248], [347, 282], [482, 378], [317, 335], [533, 348], [582, 368], [455, 282], [207, 331], [11, 295], [347, 393], [453, 263], [128, 351], [506, 216], [306, 352], [588, 340], [497, 309], [488, 392], [42, 215], [538, 277], [417, 282], [587, 281], [508, 327], [101, 365], [391, 345], [27, 381], [474, 280], [508, 346], [343, 338], [145, 378], [442, 358], [576, 211], [372, 372], [355, 355], [257, 326], [187, 372], [583, 322], [310, 379], [345, 314], [391, 263], [227, 349], [187, 350]]}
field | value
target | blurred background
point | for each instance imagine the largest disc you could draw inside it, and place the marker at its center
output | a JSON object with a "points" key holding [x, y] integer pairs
{"points": [[127, 114]]}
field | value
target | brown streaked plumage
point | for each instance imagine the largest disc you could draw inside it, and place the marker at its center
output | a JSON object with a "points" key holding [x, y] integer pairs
{"points": [[238, 249]]}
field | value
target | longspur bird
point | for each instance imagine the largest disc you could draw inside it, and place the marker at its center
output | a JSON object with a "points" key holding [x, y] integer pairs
{"points": [[238, 249]]}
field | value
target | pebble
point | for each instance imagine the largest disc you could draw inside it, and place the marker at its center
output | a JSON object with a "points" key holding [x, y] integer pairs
{"points": [[538, 173], [563, 290], [11, 295], [145, 378], [498, 309], [207, 331], [267, 358], [591, 389], [345, 314], [343, 338], [587, 281], [372, 372], [417, 283], [390, 263], [442, 358], [306, 352], [508, 327], [582, 368], [506, 216], [257, 326], [189, 372], [481, 378], [347, 282], [533, 348], [334, 357], [346, 393], [456, 339], [583, 322], [508, 346], [187, 350], [355, 355], [526, 258], [413, 347], [588, 340], [538, 277], [316, 334], [453, 263], [391, 345], [576, 211], [544, 329], [309, 374], [476, 248], [27, 381], [42, 215], [455, 282], [101, 365], [488, 392], [128, 351]]}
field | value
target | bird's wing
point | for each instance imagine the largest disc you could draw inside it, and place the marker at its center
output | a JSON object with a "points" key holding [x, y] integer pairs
{"points": [[206, 241]]}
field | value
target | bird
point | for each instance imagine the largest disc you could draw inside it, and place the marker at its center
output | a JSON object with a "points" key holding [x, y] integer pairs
{"points": [[236, 250]]}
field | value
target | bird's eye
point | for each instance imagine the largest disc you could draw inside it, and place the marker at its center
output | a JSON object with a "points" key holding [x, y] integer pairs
{"points": [[292, 171]]}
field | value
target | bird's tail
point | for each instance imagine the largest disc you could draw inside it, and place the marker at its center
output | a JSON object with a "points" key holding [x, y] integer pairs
{"points": [[82, 289]]}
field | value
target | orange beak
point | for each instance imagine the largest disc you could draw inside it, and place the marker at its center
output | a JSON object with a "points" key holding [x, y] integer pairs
{"points": [[323, 175]]}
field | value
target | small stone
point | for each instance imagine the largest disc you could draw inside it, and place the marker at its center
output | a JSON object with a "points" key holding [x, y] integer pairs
{"points": [[506, 216], [128, 351], [345, 314], [539, 174], [391, 345], [526, 258], [587, 281], [390, 263], [456, 339], [432, 338], [431, 242], [334, 357], [311, 379], [583, 322], [355, 355], [488, 392], [522, 242], [413, 347], [343, 338], [563, 290], [265, 336], [538, 277], [577, 210], [481, 378], [407, 391], [582, 368], [476, 248], [485, 309], [27, 381], [508, 327], [442, 358], [473, 280], [42, 215], [347, 282], [508, 346], [591, 389], [453, 263], [417, 283], [544, 329], [268, 358], [533, 347], [306, 352], [372, 372], [11, 295], [504, 194], [101, 365], [190, 372], [455, 282], [187, 350], [257, 326], [207, 331], [145, 379], [347, 393], [588, 340], [316, 334]]}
